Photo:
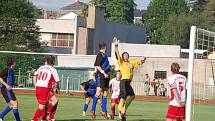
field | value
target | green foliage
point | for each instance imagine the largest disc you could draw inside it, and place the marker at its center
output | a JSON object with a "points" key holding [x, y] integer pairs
{"points": [[120, 11], [158, 13], [17, 26]]}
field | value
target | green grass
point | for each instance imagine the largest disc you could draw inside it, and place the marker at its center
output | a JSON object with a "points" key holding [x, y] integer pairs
{"points": [[70, 109]]}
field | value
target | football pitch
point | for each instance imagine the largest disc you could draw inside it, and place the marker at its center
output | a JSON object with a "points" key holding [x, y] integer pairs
{"points": [[70, 109]]}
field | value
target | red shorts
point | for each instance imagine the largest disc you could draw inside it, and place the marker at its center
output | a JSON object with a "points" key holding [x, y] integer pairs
{"points": [[51, 94], [174, 112], [42, 95], [115, 100]]}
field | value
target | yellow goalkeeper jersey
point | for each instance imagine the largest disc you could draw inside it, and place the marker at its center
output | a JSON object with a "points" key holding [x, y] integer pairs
{"points": [[127, 68]]}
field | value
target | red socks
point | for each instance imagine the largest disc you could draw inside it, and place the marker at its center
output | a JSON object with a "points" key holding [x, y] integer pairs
{"points": [[50, 108], [37, 114], [53, 112], [113, 110]]}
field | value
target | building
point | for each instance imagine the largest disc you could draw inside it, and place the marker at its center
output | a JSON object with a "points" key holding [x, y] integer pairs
{"points": [[72, 34]]}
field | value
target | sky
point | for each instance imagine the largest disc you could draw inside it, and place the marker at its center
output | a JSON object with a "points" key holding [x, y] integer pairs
{"points": [[57, 4]]}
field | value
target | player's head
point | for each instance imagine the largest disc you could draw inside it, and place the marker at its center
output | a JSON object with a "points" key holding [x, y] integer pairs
{"points": [[162, 85], [49, 60], [125, 56], [94, 76], [11, 62], [118, 75], [103, 46], [175, 68]]}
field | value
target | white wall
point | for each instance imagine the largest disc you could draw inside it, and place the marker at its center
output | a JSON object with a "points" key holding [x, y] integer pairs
{"points": [[56, 26], [69, 16], [46, 37]]}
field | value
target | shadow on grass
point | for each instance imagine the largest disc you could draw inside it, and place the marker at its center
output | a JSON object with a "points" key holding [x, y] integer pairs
{"points": [[76, 120], [94, 120]]}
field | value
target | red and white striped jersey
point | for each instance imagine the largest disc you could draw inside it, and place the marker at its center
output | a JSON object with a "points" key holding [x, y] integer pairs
{"points": [[177, 81], [47, 76]]}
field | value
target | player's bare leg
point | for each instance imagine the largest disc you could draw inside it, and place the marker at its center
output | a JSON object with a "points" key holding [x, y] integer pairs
{"points": [[54, 102], [169, 120], [14, 105], [121, 108]]}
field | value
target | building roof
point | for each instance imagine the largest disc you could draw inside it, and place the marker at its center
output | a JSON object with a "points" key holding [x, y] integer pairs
{"points": [[74, 6]]}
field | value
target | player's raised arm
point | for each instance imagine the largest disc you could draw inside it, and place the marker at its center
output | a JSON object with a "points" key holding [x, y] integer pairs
{"points": [[118, 58]]}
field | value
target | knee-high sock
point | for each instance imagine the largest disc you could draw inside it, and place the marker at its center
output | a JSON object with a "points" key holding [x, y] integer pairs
{"points": [[51, 106], [16, 114], [113, 110], [128, 102], [6, 110], [37, 114], [85, 107], [95, 99], [104, 104], [53, 112], [44, 115], [121, 106]]}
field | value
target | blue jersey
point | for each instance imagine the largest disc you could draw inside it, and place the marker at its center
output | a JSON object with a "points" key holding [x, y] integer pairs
{"points": [[92, 87], [102, 61], [8, 76]]}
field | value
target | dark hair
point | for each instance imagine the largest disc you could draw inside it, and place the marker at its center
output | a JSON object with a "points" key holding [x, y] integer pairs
{"points": [[94, 74], [10, 61], [50, 59], [175, 68], [117, 72], [102, 45], [124, 54]]}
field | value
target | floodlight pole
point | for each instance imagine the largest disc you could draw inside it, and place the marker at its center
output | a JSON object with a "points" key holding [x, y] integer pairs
{"points": [[190, 73]]}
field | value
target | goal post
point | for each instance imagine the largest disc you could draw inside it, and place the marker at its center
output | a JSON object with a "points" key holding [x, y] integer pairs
{"points": [[190, 72]]}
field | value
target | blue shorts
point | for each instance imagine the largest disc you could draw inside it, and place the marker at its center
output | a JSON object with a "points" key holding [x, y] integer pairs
{"points": [[8, 95], [88, 95]]}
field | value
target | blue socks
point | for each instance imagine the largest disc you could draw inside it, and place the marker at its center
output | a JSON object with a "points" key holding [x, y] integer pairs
{"points": [[16, 114], [104, 104], [85, 107], [6, 110], [95, 99]]}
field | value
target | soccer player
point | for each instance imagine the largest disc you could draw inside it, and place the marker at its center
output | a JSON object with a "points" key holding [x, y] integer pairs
{"points": [[126, 91], [7, 80], [114, 84], [102, 77], [177, 86], [89, 88], [45, 77]]}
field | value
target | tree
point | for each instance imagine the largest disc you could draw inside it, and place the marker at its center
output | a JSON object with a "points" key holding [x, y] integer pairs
{"points": [[120, 11], [18, 30], [158, 13]]}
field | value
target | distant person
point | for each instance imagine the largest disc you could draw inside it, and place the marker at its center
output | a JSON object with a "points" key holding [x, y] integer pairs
{"points": [[114, 84], [147, 84], [89, 88], [7, 82], [177, 86], [162, 90]]}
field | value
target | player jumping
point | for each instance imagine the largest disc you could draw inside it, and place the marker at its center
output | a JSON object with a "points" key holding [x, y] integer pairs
{"points": [[46, 76], [89, 88], [126, 91], [177, 86], [103, 68], [7, 80], [114, 84]]}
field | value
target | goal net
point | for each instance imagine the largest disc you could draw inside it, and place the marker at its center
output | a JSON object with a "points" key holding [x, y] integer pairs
{"points": [[72, 69], [201, 74]]}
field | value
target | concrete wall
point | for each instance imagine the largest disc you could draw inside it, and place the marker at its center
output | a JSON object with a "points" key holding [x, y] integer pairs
{"points": [[105, 31]]}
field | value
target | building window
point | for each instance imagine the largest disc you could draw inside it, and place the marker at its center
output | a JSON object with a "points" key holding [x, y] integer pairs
{"points": [[160, 74], [62, 40]]}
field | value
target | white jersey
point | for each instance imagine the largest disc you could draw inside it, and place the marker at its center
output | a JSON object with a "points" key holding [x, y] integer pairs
{"points": [[46, 76], [178, 82], [115, 88]]}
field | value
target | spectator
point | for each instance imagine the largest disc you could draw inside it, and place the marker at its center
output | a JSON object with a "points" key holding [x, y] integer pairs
{"points": [[162, 90], [147, 84]]}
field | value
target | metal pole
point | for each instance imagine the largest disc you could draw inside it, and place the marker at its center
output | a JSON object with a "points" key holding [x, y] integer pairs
{"points": [[190, 73]]}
